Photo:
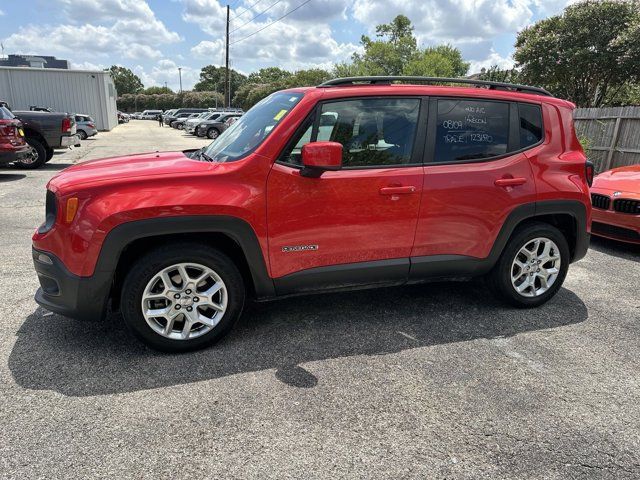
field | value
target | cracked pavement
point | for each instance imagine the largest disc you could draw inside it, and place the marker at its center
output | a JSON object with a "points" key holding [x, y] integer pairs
{"points": [[425, 381]]}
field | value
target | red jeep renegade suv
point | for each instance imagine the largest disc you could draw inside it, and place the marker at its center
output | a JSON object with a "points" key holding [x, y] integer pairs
{"points": [[356, 182]]}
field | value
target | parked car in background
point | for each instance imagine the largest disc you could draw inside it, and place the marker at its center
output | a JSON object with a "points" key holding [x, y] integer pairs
{"points": [[46, 131], [123, 117], [191, 123], [136, 115], [13, 145], [179, 122], [615, 197], [178, 117], [85, 126], [150, 114], [213, 128], [178, 113]]}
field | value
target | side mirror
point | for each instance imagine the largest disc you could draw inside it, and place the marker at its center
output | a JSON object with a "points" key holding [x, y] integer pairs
{"points": [[318, 157]]}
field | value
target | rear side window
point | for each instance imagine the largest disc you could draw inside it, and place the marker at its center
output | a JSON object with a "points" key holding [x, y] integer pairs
{"points": [[530, 124], [471, 130]]}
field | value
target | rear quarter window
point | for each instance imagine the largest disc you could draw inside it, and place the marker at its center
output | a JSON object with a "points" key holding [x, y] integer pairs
{"points": [[531, 131]]}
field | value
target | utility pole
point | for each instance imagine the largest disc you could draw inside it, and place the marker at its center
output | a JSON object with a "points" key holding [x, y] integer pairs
{"points": [[227, 85], [180, 74]]}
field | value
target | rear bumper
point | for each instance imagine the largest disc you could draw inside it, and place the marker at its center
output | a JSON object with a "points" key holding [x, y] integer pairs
{"points": [[15, 154], [61, 291], [69, 141]]}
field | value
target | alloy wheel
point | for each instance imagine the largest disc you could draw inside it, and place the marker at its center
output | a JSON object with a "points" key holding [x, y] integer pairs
{"points": [[184, 301], [535, 267]]}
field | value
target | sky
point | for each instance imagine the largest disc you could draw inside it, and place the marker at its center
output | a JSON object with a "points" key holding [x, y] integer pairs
{"points": [[155, 37]]}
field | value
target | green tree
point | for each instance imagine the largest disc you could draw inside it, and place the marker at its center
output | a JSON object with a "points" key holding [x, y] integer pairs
{"points": [[268, 75], [440, 61], [496, 74], [395, 51], [394, 47], [156, 90], [212, 80], [125, 80], [588, 54]]}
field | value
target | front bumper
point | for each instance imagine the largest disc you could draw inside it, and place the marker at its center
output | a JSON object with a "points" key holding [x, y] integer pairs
{"points": [[61, 291], [623, 227]]}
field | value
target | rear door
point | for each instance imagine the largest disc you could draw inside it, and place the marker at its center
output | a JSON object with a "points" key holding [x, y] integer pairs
{"points": [[475, 174], [356, 224]]}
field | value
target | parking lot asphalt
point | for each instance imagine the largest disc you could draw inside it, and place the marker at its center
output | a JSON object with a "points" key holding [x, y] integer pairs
{"points": [[425, 381]]}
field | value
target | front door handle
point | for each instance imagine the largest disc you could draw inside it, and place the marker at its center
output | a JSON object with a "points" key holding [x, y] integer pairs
{"points": [[397, 190], [510, 182]]}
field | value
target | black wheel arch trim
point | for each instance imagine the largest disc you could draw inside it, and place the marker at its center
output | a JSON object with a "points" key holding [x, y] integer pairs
{"points": [[235, 228]]}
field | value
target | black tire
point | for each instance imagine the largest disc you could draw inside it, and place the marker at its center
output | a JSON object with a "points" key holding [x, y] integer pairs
{"points": [[499, 279], [40, 159], [49, 154], [82, 134], [213, 133], [149, 265]]}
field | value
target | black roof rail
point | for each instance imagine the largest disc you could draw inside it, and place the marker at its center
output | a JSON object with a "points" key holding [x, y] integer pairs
{"points": [[386, 80]]}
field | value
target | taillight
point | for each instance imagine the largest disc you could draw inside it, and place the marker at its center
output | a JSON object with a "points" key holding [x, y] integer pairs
{"points": [[589, 171], [66, 125], [91, 125]]}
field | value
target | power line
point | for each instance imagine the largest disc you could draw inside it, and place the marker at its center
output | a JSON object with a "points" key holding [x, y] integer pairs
{"points": [[259, 14], [246, 9], [275, 21]]}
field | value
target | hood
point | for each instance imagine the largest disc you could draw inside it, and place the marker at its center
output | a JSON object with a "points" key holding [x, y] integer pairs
{"points": [[108, 170], [623, 179]]}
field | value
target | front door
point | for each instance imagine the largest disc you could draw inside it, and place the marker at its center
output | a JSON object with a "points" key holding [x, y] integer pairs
{"points": [[355, 225]]}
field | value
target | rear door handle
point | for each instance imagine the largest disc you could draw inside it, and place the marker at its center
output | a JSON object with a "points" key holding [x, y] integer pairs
{"points": [[510, 182], [397, 190]]}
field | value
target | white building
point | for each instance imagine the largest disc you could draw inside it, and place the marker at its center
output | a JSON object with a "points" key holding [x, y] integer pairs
{"points": [[75, 91]]}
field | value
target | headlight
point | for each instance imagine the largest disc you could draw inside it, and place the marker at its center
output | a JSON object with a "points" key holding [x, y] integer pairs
{"points": [[51, 210]]}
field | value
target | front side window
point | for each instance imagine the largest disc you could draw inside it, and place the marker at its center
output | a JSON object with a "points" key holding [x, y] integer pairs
{"points": [[373, 131], [471, 130], [252, 128]]}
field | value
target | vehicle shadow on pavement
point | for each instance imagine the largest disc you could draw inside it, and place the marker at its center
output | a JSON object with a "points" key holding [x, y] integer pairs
{"points": [[94, 358], [11, 177], [627, 251]]}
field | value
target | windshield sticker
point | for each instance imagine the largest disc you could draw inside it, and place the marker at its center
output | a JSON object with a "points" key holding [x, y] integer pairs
{"points": [[280, 114]]}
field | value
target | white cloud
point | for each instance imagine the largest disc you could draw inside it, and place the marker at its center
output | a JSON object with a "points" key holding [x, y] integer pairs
{"points": [[438, 21], [494, 58], [118, 29], [1, 13], [166, 70]]}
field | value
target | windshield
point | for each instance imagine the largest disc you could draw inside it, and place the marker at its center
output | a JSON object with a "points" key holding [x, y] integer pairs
{"points": [[5, 114], [252, 128]]}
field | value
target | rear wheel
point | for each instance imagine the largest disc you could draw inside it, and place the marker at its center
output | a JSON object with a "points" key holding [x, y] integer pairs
{"points": [[37, 159], [213, 133], [82, 134], [49, 154], [182, 297], [532, 266]]}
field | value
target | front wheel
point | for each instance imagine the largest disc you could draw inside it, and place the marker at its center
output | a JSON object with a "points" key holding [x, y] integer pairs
{"points": [[182, 297], [213, 133], [532, 266]]}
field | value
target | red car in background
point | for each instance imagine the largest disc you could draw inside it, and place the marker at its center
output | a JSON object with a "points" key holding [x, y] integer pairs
{"points": [[615, 196], [13, 146]]}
